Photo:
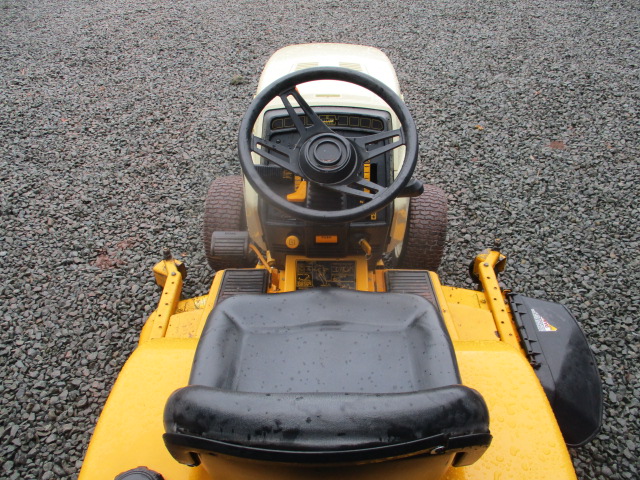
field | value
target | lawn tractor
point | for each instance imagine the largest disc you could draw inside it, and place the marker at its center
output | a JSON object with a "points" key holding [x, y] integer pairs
{"points": [[327, 347]]}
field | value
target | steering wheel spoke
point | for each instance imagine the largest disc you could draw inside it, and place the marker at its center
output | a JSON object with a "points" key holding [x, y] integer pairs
{"points": [[366, 144], [368, 192], [363, 182], [317, 125], [275, 153]]}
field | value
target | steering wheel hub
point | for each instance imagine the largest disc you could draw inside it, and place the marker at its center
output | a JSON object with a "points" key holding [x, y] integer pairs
{"points": [[327, 158], [327, 152]]}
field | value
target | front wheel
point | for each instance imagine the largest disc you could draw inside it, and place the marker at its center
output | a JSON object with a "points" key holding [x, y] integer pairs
{"points": [[424, 241]]}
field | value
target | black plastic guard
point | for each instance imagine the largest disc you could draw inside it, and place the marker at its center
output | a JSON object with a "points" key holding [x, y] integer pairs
{"points": [[560, 354]]}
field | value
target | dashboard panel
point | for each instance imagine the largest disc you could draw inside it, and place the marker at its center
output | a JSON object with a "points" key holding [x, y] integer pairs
{"points": [[285, 235]]}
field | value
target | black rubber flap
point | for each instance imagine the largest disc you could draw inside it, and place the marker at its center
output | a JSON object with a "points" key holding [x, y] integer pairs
{"points": [[242, 281], [564, 363], [324, 427], [417, 282]]}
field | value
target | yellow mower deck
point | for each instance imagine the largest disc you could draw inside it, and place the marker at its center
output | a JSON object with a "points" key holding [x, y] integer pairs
{"points": [[527, 442]]}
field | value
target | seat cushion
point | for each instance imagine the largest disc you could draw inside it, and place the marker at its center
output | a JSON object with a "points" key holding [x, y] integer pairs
{"points": [[325, 341]]}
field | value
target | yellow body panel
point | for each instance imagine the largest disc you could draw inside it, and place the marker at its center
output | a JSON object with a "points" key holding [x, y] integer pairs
{"points": [[129, 432], [184, 324], [461, 296], [470, 315], [527, 443]]}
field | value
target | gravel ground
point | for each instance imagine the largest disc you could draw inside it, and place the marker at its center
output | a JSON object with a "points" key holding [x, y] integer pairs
{"points": [[115, 116]]}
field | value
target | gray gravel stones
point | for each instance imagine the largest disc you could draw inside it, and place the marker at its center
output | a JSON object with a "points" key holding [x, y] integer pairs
{"points": [[115, 116]]}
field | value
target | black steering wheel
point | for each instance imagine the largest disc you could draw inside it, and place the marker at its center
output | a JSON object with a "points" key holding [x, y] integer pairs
{"points": [[322, 156]]}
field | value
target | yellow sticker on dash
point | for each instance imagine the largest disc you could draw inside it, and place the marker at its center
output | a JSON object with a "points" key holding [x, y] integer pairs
{"points": [[326, 239]]}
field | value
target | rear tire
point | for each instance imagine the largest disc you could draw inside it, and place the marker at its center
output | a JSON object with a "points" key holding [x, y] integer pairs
{"points": [[424, 241], [224, 211]]}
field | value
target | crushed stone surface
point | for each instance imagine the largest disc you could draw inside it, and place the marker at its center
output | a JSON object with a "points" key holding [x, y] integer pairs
{"points": [[115, 116]]}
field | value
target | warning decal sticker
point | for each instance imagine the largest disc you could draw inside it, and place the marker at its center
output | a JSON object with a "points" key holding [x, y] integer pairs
{"points": [[321, 273], [541, 323]]}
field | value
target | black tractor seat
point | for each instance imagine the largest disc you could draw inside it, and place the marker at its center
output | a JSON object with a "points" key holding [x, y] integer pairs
{"points": [[325, 376]]}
